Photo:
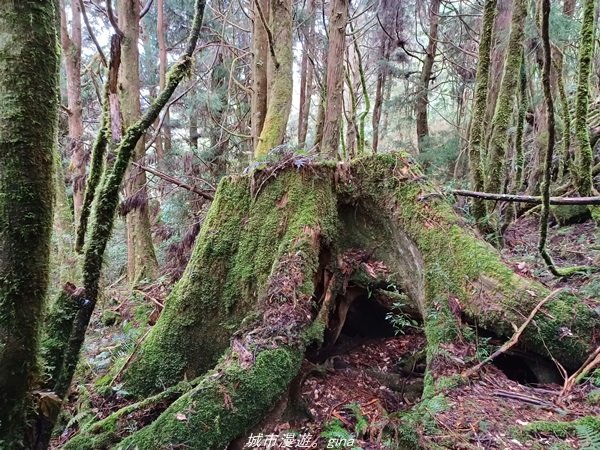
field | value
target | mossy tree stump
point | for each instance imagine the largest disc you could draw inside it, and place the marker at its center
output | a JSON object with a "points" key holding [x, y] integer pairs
{"points": [[268, 277]]}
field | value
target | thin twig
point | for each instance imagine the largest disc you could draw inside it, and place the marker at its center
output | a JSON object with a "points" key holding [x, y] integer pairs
{"points": [[514, 339], [91, 33], [175, 181]]}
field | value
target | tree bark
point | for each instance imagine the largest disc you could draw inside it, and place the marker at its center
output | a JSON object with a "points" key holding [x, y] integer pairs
{"points": [[141, 259], [29, 64], [585, 157], [338, 19], [422, 105], [71, 46], [280, 78], [306, 74], [477, 132], [260, 57], [504, 107], [164, 144]]}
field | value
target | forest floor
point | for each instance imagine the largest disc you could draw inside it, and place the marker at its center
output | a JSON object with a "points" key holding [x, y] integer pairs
{"points": [[352, 397]]}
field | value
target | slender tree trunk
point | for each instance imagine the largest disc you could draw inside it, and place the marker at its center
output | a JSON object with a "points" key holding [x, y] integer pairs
{"points": [[306, 74], [564, 159], [477, 131], [260, 58], [498, 48], [349, 145], [366, 99], [384, 47], [422, 105], [163, 64], [585, 157], [280, 78], [506, 99], [71, 47], [29, 63], [218, 145], [141, 259], [338, 19]]}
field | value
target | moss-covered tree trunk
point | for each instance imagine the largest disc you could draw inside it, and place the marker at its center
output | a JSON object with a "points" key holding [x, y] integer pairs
{"points": [[103, 209], [268, 278], [29, 61], [585, 157], [279, 77], [504, 108], [477, 131]]}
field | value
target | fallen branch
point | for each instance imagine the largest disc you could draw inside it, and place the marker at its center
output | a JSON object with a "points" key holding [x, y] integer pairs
{"points": [[175, 181], [527, 198], [514, 339], [591, 363]]}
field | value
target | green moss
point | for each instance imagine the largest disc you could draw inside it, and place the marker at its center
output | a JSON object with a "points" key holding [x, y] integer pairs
{"points": [[506, 100], [458, 264], [476, 155], [221, 407], [29, 65], [581, 427], [569, 214], [238, 245], [585, 157], [593, 397], [57, 331]]}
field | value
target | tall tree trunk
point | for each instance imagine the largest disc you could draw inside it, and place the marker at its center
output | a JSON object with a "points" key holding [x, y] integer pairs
{"points": [[585, 157], [280, 77], [71, 46], [497, 60], [338, 19], [29, 63], [260, 58], [141, 259], [422, 105], [161, 27], [382, 70], [477, 131], [218, 145], [306, 74], [506, 100]]}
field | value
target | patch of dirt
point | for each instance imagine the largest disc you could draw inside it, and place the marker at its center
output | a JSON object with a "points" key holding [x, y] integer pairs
{"points": [[359, 388], [573, 245], [488, 412]]}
